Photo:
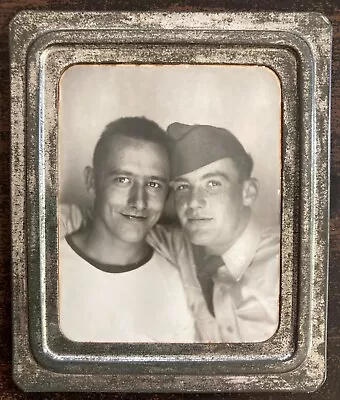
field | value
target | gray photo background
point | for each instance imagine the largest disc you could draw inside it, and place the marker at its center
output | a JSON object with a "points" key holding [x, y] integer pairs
{"points": [[244, 99]]}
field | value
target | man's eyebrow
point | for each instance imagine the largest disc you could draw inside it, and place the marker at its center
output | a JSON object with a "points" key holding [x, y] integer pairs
{"points": [[158, 178], [119, 172], [216, 174], [179, 179], [127, 173]]}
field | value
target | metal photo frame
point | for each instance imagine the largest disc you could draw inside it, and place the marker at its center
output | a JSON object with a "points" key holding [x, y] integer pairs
{"points": [[297, 47]]}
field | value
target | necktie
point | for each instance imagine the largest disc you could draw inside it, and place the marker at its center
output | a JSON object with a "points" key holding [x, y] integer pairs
{"points": [[205, 277]]}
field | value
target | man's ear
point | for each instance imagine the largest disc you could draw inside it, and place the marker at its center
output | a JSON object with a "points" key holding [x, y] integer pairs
{"points": [[89, 180], [250, 191]]}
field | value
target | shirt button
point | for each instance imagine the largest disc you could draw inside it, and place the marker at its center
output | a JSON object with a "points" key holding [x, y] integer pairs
{"points": [[230, 329]]}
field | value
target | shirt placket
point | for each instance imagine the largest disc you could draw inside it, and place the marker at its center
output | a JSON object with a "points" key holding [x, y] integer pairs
{"points": [[225, 310], [207, 327]]}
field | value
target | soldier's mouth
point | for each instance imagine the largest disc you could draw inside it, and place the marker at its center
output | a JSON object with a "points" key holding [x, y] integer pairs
{"points": [[198, 220]]}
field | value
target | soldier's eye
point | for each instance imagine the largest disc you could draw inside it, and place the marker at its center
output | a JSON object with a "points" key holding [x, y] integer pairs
{"points": [[213, 183], [178, 187]]}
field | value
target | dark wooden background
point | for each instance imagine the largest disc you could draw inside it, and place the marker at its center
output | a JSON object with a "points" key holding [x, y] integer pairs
{"points": [[331, 8]]}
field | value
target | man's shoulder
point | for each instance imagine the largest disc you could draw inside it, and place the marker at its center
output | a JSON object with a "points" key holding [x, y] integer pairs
{"points": [[270, 235], [159, 262], [163, 272], [169, 241], [268, 250], [263, 272], [67, 252], [69, 260], [64, 246], [167, 235]]}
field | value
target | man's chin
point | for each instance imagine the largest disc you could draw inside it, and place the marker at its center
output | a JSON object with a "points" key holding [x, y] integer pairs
{"points": [[199, 238], [135, 237]]}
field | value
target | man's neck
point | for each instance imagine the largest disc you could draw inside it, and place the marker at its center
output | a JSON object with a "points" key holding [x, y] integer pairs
{"points": [[106, 249]]}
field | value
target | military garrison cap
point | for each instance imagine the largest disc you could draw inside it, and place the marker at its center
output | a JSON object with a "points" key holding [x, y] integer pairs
{"points": [[195, 146]]}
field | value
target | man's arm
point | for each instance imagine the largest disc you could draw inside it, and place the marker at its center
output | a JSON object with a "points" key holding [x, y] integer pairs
{"points": [[71, 219], [167, 240]]}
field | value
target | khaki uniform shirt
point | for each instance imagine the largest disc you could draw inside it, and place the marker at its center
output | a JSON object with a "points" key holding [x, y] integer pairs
{"points": [[246, 288]]}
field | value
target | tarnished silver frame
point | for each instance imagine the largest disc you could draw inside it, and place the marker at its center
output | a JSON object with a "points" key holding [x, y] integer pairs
{"points": [[297, 48]]}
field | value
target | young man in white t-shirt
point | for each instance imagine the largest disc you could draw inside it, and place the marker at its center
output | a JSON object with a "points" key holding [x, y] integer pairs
{"points": [[113, 287]]}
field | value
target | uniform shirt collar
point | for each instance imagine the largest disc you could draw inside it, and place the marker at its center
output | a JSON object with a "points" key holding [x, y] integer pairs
{"points": [[239, 256]]}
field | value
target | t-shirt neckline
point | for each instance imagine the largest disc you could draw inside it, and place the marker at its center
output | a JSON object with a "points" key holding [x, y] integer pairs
{"points": [[109, 268]]}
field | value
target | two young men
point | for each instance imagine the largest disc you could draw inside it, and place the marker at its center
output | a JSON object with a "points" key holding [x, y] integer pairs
{"points": [[229, 265]]}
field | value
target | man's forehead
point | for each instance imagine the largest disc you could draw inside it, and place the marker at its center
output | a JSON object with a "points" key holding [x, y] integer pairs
{"points": [[134, 155], [223, 167], [119, 144], [120, 140]]}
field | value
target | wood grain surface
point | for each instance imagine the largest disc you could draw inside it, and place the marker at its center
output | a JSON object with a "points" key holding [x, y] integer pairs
{"points": [[8, 390]]}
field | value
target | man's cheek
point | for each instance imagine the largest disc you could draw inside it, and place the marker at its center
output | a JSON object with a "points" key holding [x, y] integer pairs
{"points": [[180, 204], [155, 205], [160, 199]]}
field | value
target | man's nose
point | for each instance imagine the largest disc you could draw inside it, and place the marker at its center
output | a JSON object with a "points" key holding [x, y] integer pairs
{"points": [[196, 198], [137, 196]]}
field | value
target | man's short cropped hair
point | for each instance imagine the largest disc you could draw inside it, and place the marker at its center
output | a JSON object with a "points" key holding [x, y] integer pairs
{"points": [[139, 128]]}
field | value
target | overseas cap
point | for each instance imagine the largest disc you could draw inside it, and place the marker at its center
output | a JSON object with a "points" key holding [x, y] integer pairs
{"points": [[195, 146]]}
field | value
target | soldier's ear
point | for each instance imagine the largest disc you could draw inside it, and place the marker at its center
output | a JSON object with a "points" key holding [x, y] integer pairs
{"points": [[89, 180], [250, 191]]}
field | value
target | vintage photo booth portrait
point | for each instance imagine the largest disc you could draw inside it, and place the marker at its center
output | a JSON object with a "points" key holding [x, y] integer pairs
{"points": [[243, 101]]}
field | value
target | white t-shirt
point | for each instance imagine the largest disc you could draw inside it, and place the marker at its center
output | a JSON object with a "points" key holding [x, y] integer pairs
{"points": [[146, 304]]}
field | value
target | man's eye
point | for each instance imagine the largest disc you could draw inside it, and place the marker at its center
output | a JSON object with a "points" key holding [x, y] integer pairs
{"points": [[122, 180], [180, 187], [154, 185], [213, 184]]}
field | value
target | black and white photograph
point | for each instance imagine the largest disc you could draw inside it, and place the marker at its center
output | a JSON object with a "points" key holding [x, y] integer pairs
{"points": [[169, 203]]}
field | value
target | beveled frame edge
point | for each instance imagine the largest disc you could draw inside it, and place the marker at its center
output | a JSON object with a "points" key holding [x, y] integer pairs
{"points": [[46, 351], [313, 368]]}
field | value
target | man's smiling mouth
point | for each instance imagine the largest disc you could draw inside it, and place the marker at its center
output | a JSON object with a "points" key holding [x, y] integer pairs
{"points": [[133, 217]]}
